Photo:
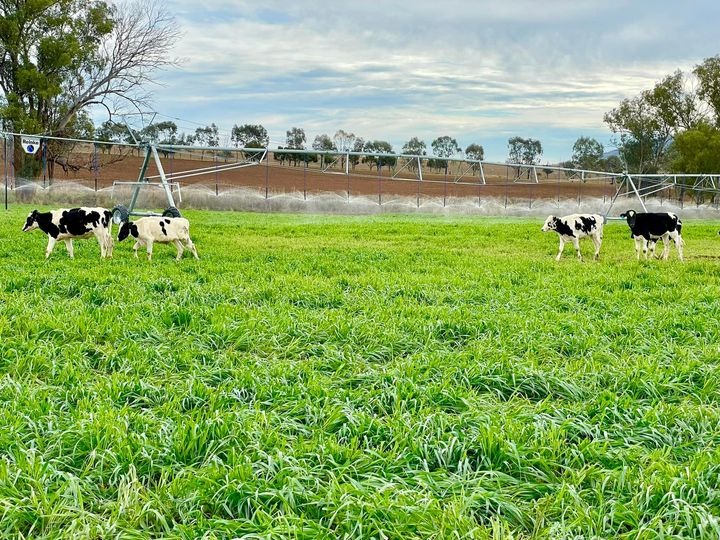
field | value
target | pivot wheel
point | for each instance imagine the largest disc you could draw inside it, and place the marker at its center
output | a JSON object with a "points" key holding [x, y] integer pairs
{"points": [[120, 214], [171, 212]]}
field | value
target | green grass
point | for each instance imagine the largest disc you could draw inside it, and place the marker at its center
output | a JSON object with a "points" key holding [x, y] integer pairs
{"points": [[359, 377]]}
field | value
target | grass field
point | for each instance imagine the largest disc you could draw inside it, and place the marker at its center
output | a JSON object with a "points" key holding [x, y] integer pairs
{"points": [[363, 377]]}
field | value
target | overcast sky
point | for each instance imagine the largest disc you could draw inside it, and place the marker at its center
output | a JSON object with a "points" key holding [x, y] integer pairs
{"points": [[478, 71]]}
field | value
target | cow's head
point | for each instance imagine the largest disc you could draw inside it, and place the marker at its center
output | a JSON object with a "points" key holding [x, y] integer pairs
{"points": [[550, 224], [31, 222], [126, 229], [629, 216]]}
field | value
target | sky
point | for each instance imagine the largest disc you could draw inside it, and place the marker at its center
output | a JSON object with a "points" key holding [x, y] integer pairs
{"points": [[477, 71]]}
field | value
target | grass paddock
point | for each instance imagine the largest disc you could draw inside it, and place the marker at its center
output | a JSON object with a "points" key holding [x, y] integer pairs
{"points": [[359, 377]]}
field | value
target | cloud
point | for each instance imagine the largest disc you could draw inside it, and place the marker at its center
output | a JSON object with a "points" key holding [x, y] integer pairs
{"points": [[394, 70]]}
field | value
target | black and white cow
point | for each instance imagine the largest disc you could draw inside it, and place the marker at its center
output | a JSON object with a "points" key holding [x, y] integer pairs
{"points": [[164, 230], [646, 228], [68, 223], [574, 227]]}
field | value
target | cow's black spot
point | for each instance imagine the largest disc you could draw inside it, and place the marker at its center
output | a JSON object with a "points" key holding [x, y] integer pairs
{"points": [[563, 228], [78, 222], [45, 224], [167, 221], [587, 224], [162, 226]]}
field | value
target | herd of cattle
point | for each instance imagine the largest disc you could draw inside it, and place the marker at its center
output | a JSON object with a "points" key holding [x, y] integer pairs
{"points": [[645, 228], [67, 224]]}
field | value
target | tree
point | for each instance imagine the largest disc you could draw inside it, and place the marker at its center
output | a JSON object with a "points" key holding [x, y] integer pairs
{"points": [[697, 150], [612, 164], [161, 133], [444, 147], [587, 153], [708, 74], [61, 57], [249, 136], [414, 147], [648, 123], [381, 149], [675, 106], [524, 151], [295, 140], [206, 136], [475, 152], [358, 146], [323, 143]]}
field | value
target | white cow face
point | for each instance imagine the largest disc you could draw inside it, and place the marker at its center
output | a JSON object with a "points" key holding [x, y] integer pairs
{"points": [[550, 224]]}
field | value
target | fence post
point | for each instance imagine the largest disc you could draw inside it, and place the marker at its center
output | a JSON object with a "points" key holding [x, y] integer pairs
{"points": [[5, 167], [267, 173], [379, 168]]}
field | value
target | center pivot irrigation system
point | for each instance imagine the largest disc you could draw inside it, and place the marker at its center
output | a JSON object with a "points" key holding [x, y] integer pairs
{"points": [[121, 213], [467, 172]]}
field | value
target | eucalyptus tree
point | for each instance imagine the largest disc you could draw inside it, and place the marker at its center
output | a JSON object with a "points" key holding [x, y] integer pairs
{"points": [[249, 136], [414, 147], [323, 143], [444, 147], [61, 57], [587, 153]]}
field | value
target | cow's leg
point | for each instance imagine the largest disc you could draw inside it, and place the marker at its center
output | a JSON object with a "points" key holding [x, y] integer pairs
{"points": [[100, 236], [597, 242], [576, 243], [639, 240], [50, 246], [678, 244], [666, 246], [189, 244], [180, 249], [136, 247], [108, 244], [69, 246], [562, 245], [149, 244]]}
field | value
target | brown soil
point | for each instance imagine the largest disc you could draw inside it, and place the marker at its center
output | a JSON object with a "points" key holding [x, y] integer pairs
{"points": [[273, 177]]}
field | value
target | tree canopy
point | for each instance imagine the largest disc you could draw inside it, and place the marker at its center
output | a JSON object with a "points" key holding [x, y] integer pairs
{"points": [[61, 57]]}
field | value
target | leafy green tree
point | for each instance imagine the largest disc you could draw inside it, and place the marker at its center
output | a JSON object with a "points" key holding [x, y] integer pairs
{"points": [[323, 142], [206, 136], [381, 148], [60, 57], [295, 140], [475, 151], [673, 103], [524, 151], [708, 75], [414, 147], [444, 147], [612, 164], [161, 132], [249, 136], [697, 150], [644, 137], [358, 146], [587, 153]]}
